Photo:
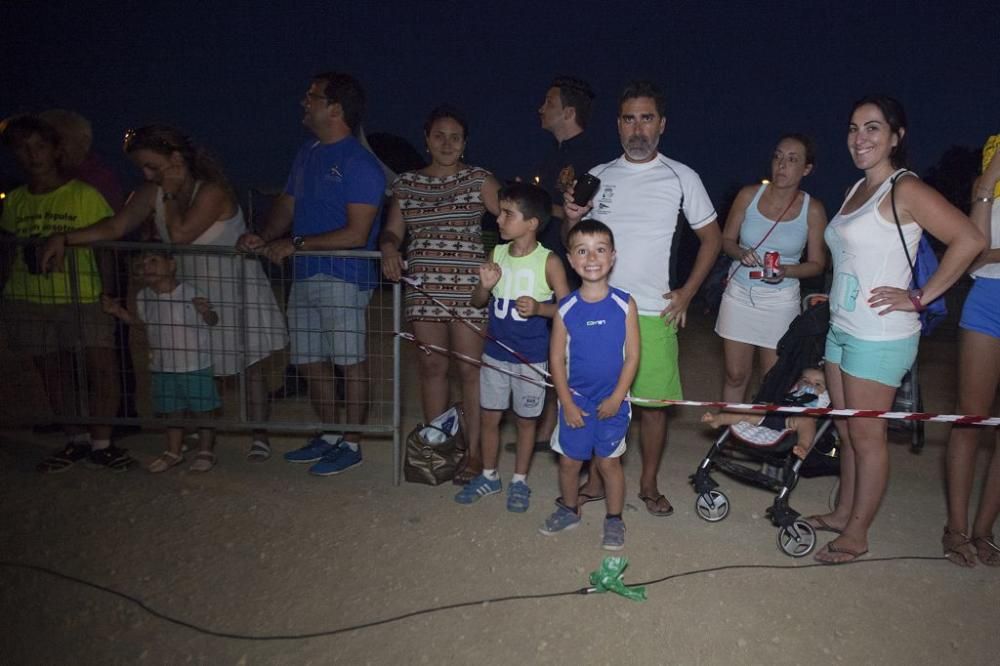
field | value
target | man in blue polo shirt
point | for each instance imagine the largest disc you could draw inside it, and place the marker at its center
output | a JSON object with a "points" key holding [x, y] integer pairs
{"points": [[331, 202]]}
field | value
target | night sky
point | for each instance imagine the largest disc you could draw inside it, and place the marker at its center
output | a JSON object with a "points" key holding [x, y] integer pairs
{"points": [[736, 75]]}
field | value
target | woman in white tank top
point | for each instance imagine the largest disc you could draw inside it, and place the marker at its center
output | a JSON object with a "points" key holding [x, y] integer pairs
{"points": [[192, 203], [978, 378], [872, 309]]}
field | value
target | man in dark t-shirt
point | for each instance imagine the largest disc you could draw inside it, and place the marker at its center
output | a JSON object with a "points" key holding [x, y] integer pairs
{"points": [[564, 113]]}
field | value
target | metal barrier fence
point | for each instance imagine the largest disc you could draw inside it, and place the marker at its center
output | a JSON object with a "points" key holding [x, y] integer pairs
{"points": [[68, 358]]}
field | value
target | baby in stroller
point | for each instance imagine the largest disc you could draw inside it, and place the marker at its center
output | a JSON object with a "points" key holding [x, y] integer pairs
{"points": [[749, 428]]}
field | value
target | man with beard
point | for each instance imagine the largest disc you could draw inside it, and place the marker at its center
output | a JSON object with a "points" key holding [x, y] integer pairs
{"points": [[641, 194]]}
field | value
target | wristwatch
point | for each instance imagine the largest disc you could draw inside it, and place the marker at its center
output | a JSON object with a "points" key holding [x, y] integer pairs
{"points": [[298, 242]]}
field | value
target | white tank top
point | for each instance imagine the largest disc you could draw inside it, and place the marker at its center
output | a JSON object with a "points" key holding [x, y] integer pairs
{"points": [[992, 271], [221, 232], [868, 253]]}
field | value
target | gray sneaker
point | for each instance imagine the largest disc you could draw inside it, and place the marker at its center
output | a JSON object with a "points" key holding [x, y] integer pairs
{"points": [[561, 519], [614, 534]]}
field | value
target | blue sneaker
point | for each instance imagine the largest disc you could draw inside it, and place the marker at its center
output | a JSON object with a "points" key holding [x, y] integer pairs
{"points": [[518, 497], [313, 451], [477, 489], [561, 519], [614, 534], [339, 459]]}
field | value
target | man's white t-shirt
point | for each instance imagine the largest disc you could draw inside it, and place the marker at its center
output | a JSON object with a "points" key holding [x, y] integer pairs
{"points": [[640, 202], [179, 339]]}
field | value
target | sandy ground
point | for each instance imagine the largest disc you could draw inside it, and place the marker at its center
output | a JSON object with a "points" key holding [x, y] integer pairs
{"points": [[266, 549]]}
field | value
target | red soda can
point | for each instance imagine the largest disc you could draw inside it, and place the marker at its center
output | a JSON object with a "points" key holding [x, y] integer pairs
{"points": [[772, 265]]}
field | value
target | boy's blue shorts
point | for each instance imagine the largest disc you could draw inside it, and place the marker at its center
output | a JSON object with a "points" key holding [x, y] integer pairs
{"points": [[604, 438]]}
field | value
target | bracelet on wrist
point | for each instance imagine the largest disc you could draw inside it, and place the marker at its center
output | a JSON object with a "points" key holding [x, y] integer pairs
{"points": [[984, 200], [915, 297]]}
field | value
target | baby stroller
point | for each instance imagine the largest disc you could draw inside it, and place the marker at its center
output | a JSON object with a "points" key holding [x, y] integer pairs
{"points": [[801, 347]]}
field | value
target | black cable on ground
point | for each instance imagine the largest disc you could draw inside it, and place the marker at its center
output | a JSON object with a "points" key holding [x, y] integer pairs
{"points": [[424, 611]]}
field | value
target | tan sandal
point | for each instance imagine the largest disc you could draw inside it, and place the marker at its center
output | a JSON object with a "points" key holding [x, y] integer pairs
{"points": [[166, 460], [958, 548], [203, 462], [987, 550]]}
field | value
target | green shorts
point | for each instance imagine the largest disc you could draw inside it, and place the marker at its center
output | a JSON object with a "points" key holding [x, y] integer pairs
{"points": [[659, 376], [176, 392]]}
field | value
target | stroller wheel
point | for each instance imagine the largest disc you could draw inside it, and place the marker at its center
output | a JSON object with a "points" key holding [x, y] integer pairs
{"points": [[797, 539], [712, 506]]}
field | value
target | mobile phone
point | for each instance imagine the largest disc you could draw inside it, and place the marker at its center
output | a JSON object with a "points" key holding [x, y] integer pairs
{"points": [[585, 188]]}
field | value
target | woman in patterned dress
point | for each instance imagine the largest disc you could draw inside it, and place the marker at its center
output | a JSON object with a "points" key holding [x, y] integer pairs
{"points": [[440, 208]]}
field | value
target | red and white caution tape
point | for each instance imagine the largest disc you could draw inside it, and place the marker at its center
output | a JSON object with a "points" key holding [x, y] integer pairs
{"points": [[958, 419], [416, 284]]}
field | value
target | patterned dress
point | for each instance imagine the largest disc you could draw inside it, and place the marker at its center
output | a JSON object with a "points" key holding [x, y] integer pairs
{"points": [[442, 217]]}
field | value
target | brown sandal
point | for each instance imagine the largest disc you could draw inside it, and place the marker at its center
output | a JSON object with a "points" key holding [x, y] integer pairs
{"points": [[988, 545], [958, 548]]}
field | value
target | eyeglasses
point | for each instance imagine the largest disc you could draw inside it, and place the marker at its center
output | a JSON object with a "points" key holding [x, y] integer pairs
{"points": [[313, 97]]}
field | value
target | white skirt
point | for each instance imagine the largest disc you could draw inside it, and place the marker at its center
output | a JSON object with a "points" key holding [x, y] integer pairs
{"points": [[757, 315], [241, 294]]}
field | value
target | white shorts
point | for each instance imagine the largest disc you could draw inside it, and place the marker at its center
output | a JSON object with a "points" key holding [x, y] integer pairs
{"points": [[496, 388], [758, 315], [326, 320]]}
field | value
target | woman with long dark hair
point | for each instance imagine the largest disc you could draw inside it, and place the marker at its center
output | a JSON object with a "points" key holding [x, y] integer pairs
{"points": [[874, 320]]}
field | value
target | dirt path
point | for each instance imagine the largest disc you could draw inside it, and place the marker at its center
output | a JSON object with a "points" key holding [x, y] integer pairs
{"points": [[266, 549]]}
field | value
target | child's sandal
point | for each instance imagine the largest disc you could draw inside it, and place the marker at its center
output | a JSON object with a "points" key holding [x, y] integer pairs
{"points": [[166, 460], [203, 462]]}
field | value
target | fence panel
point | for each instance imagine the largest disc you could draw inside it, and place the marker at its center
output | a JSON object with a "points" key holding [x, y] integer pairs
{"points": [[219, 327]]}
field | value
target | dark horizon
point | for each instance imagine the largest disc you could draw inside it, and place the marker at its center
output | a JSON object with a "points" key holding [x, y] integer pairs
{"points": [[233, 77]]}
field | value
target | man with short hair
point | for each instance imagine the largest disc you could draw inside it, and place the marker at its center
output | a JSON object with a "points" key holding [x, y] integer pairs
{"points": [[48, 310], [564, 113], [641, 194], [331, 202]]}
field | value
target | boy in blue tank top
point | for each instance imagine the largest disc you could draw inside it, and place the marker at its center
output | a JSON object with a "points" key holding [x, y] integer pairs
{"points": [[594, 356], [518, 284]]}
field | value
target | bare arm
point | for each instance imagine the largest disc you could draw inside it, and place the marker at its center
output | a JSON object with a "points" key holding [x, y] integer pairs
{"points": [[354, 235], [610, 406], [212, 203], [391, 241], [560, 380], [490, 194], [918, 202], [734, 223], [555, 275], [981, 211], [279, 221], [815, 262], [679, 299], [489, 275], [135, 211]]}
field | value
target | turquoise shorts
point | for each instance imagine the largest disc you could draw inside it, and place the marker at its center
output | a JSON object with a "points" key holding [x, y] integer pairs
{"points": [[176, 392], [882, 361]]}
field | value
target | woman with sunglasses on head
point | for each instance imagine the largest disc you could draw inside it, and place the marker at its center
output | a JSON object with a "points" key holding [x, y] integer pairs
{"points": [[192, 203], [874, 320], [440, 207], [773, 217]]}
